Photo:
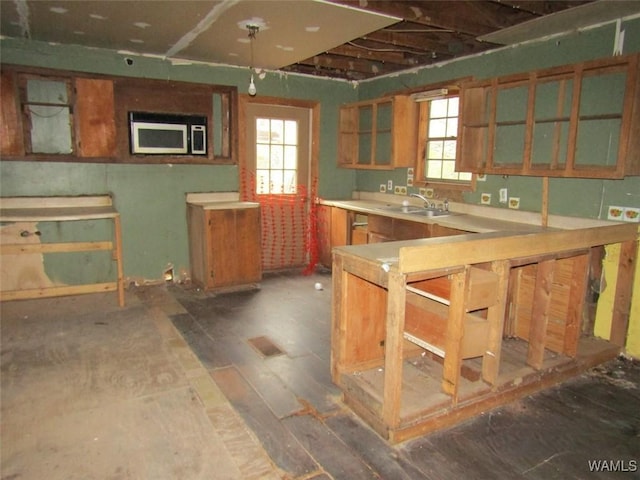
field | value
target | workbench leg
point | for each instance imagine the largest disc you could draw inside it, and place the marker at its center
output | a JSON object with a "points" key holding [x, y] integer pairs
{"points": [[392, 393], [455, 332], [540, 313], [495, 317], [118, 258]]}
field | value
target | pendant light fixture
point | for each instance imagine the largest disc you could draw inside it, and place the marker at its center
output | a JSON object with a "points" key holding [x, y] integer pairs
{"points": [[253, 29]]}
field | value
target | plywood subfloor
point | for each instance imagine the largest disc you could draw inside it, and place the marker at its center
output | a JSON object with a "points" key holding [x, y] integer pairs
{"points": [[93, 391]]}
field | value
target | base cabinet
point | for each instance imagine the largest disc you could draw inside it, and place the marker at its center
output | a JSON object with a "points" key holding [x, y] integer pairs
{"points": [[333, 230], [224, 245]]}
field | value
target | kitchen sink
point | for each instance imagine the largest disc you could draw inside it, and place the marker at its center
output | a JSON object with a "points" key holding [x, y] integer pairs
{"points": [[400, 208], [418, 211], [431, 212]]}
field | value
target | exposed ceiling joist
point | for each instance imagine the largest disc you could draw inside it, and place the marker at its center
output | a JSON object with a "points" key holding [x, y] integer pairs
{"points": [[346, 39]]}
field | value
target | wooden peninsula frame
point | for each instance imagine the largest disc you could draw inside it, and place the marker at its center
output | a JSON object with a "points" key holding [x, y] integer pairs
{"points": [[418, 339]]}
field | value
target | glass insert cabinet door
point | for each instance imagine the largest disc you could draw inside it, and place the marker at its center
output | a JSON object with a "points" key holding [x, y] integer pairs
{"points": [[375, 141]]}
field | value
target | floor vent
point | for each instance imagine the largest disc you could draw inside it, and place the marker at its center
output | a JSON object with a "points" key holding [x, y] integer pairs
{"points": [[265, 346]]}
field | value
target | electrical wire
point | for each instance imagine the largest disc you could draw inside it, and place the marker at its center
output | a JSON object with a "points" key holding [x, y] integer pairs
{"points": [[398, 50]]}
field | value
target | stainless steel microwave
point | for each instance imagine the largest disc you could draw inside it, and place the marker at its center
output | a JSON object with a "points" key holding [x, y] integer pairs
{"points": [[167, 134]]}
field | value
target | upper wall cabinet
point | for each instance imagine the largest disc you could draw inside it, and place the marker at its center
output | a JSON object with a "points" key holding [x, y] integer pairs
{"points": [[576, 121], [52, 115], [378, 134], [45, 116]]}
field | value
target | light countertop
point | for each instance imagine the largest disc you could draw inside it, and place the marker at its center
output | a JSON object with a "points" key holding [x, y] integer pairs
{"points": [[462, 221]]}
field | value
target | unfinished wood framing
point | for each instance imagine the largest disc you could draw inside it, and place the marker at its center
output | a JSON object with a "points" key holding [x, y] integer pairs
{"points": [[450, 299], [64, 209]]}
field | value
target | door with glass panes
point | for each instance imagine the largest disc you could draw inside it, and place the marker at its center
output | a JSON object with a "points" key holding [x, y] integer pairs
{"points": [[278, 158]]}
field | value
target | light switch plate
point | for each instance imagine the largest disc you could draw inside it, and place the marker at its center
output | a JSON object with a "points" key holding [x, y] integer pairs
{"points": [[503, 195]]}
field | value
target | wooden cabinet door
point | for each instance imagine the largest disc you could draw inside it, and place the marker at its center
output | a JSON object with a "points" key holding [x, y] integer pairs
{"points": [[233, 247], [11, 141], [378, 134], [323, 234], [408, 230], [247, 246], [575, 121], [221, 251], [95, 118], [340, 227], [440, 231], [198, 244]]}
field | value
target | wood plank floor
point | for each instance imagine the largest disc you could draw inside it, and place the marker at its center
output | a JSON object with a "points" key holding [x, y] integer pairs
{"points": [[293, 408]]}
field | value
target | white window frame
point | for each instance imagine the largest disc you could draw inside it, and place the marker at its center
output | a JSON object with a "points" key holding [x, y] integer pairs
{"points": [[424, 106]]}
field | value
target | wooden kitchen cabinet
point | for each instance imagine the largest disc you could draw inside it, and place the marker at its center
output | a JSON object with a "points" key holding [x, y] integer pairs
{"points": [[95, 118], [571, 121], [338, 227], [409, 318], [224, 244], [59, 116], [335, 229], [378, 134], [11, 143], [386, 229]]}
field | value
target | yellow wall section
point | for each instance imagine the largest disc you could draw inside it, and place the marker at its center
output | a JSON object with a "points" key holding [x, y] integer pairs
{"points": [[605, 302], [604, 311], [633, 337]]}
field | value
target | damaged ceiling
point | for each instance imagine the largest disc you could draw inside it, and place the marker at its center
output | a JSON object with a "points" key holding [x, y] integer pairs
{"points": [[347, 39]]}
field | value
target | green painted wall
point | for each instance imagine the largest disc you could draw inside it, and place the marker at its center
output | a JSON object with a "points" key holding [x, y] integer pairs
{"points": [[151, 198], [572, 197]]}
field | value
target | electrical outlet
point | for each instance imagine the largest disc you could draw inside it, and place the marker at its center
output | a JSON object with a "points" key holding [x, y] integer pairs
{"points": [[503, 195], [485, 199], [428, 192], [383, 188], [514, 202], [396, 190], [402, 190]]}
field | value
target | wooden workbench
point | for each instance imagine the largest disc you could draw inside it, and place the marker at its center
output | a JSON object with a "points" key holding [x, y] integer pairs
{"points": [[62, 209], [397, 305]]}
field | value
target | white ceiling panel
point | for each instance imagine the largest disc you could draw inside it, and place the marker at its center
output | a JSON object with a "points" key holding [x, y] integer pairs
{"points": [[208, 31]]}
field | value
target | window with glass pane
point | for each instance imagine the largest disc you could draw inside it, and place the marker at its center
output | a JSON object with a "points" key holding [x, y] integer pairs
{"points": [[442, 135], [276, 156]]}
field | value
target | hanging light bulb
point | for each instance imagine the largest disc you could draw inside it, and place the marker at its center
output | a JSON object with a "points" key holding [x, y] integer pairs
{"points": [[252, 87], [253, 29]]}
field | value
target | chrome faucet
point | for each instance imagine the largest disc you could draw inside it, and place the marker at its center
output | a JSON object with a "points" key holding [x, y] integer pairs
{"points": [[428, 203]]}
